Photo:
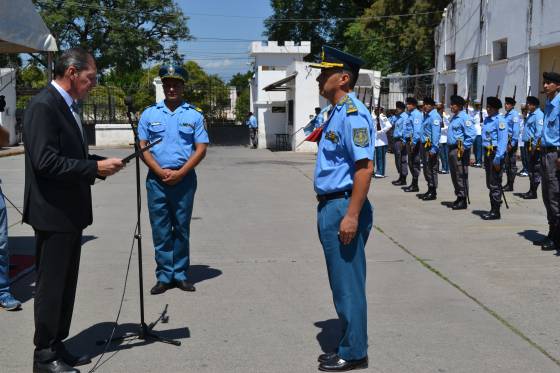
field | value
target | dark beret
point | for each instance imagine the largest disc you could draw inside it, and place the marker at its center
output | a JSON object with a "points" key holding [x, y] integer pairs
{"points": [[400, 105], [411, 100], [429, 101], [510, 100], [457, 100], [533, 100], [494, 102], [551, 77]]}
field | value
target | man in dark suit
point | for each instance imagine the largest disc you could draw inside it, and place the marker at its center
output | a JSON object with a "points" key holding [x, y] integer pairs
{"points": [[57, 202]]}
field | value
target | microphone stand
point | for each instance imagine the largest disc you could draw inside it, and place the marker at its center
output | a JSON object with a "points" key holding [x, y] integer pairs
{"points": [[145, 332]]}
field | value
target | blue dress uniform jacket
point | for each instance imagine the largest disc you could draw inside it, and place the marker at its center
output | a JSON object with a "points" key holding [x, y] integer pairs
{"points": [[432, 130], [252, 122], [512, 119], [551, 126], [400, 120], [461, 128], [347, 138], [532, 130], [495, 133], [170, 206], [413, 126]]}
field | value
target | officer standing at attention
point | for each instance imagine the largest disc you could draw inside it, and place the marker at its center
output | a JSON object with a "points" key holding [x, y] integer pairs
{"points": [[253, 129], [532, 131], [550, 162], [512, 119], [494, 141], [401, 158], [430, 148], [171, 181], [414, 132], [345, 216], [460, 137]]}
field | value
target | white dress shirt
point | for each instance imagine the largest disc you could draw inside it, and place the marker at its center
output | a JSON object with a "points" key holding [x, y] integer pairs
{"points": [[70, 102], [381, 136]]}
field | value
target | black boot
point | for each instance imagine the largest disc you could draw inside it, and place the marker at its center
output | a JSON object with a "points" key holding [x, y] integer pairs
{"points": [[460, 204], [400, 181], [431, 195], [413, 187], [532, 193], [423, 195], [509, 186], [548, 237], [553, 239], [494, 213]]}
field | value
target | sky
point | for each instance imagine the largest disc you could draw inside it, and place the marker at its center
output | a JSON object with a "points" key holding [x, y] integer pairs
{"points": [[211, 20]]}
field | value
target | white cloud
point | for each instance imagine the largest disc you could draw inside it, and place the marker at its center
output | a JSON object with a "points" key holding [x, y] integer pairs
{"points": [[218, 64]]}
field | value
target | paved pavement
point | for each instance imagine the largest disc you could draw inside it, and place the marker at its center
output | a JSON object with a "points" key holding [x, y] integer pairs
{"points": [[447, 292]]}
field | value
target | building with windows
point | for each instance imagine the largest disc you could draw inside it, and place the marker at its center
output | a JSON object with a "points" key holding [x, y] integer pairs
{"points": [[503, 46]]}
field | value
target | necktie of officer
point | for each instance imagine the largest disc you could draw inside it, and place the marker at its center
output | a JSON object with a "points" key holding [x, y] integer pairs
{"points": [[75, 113]]}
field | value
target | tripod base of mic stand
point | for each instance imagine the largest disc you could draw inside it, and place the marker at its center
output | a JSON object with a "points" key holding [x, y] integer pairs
{"points": [[145, 333]]}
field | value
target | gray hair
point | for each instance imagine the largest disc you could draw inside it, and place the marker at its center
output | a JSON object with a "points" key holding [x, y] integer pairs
{"points": [[77, 57]]}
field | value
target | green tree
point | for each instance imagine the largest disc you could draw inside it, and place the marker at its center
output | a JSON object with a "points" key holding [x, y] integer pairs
{"points": [[240, 81], [242, 106], [122, 34]]}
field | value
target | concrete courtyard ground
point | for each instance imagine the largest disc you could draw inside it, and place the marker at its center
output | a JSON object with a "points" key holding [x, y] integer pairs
{"points": [[447, 292]]}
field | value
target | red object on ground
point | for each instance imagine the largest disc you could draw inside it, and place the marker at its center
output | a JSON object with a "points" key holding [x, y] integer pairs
{"points": [[315, 136], [19, 263]]}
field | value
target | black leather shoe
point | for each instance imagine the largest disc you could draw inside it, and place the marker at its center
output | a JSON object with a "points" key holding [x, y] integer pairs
{"points": [[336, 364], [529, 195], [55, 366], [323, 358], [185, 285], [73, 360], [460, 204], [411, 188], [430, 196], [160, 288], [399, 181], [492, 215], [508, 188]]}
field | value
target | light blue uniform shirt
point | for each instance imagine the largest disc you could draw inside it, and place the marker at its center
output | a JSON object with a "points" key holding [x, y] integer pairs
{"points": [[400, 122], [413, 126], [495, 133], [432, 130], [551, 126], [512, 119], [461, 127], [179, 130], [347, 137], [252, 122], [533, 126]]}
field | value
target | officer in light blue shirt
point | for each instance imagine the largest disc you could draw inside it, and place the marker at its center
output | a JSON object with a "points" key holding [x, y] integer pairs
{"points": [[532, 131], [550, 146], [494, 141], [253, 130], [513, 121], [460, 137], [171, 182], [399, 139], [413, 134], [431, 129], [344, 215]]}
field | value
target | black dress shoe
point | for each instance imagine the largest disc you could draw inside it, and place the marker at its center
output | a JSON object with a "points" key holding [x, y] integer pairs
{"points": [[492, 215], [336, 364], [185, 285], [160, 288], [549, 245], [55, 366], [529, 195], [508, 188], [326, 357], [73, 360], [460, 204], [411, 188]]}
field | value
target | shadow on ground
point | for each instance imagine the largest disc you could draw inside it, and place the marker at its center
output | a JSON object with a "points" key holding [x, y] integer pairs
{"points": [[200, 272], [328, 337], [532, 235]]}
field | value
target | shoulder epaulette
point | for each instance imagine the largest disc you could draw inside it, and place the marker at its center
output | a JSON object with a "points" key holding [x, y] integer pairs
{"points": [[350, 106], [149, 106]]}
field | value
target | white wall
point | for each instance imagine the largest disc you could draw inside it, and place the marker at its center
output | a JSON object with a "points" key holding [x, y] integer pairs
{"points": [[8, 117]]}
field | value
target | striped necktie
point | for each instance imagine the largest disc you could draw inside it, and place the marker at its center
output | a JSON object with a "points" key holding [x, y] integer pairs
{"points": [[75, 113]]}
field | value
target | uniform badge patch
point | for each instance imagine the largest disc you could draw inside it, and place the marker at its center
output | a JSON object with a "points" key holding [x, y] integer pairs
{"points": [[469, 123], [332, 136], [360, 137], [502, 126], [541, 122], [436, 122]]}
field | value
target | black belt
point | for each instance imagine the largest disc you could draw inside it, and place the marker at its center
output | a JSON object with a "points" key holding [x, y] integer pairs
{"points": [[453, 147], [493, 148], [550, 149], [335, 195]]}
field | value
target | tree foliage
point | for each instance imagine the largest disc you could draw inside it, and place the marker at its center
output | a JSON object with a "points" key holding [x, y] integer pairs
{"points": [[240, 81], [242, 106], [122, 34]]}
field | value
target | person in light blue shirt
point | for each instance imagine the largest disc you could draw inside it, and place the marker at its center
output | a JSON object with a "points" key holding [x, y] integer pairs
{"points": [[412, 134], [431, 129], [253, 130], [171, 182], [513, 120], [550, 163], [460, 137], [494, 140], [399, 144], [318, 120], [344, 215], [532, 131]]}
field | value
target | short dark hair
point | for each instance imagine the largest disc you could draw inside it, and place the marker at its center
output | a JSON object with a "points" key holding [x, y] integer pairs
{"points": [[353, 77], [77, 57]]}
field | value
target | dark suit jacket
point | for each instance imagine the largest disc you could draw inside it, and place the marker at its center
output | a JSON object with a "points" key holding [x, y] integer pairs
{"points": [[58, 170]]}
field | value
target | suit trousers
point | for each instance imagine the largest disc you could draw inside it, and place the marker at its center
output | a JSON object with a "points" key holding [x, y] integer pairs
{"points": [[551, 187], [534, 167], [346, 267], [414, 159], [493, 180], [430, 167], [401, 158], [459, 169], [57, 264], [510, 164]]}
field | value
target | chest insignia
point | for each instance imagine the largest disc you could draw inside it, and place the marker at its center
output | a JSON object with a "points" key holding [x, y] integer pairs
{"points": [[332, 136]]}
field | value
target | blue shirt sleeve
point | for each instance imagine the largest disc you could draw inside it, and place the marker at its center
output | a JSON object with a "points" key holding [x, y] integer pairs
{"points": [[436, 134], [515, 134], [470, 133], [200, 134], [502, 140], [417, 120], [539, 123], [358, 139], [143, 126]]}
